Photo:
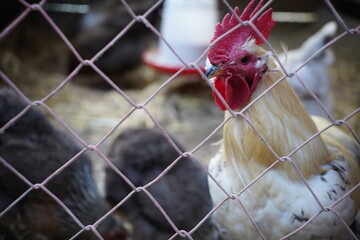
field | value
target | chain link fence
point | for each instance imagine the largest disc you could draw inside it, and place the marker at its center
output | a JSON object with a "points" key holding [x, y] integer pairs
{"points": [[144, 107]]}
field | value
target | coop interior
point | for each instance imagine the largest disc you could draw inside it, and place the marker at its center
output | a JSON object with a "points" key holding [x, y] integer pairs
{"points": [[120, 90]]}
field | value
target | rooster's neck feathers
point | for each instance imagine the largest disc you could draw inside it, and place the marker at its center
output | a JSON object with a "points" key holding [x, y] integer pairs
{"points": [[237, 37], [283, 122]]}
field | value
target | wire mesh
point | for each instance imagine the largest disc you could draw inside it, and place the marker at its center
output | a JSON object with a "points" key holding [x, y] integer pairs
{"points": [[135, 106]]}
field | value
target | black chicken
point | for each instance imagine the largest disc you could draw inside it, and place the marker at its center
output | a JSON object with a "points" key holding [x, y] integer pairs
{"points": [[142, 154], [36, 149], [100, 25]]}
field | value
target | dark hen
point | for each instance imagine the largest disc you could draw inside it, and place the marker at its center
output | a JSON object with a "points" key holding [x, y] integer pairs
{"points": [[36, 149], [100, 25], [142, 154]]}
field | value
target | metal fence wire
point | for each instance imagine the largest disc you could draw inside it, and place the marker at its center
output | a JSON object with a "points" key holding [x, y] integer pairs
{"points": [[93, 227]]}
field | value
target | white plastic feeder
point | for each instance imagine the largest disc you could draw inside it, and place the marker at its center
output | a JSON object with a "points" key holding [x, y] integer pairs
{"points": [[188, 26]]}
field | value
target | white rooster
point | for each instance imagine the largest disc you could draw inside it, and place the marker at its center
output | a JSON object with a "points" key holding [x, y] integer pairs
{"points": [[279, 202]]}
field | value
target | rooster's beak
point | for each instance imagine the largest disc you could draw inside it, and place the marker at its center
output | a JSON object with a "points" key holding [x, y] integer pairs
{"points": [[213, 71]]}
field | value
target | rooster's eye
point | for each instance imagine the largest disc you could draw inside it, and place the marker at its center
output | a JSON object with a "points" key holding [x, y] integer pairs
{"points": [[245, 60]]}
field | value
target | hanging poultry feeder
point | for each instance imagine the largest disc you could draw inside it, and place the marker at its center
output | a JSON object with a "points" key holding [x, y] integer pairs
{"points": [[188, 26]]}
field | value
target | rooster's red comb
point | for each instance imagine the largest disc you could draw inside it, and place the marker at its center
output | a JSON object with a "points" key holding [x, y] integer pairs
{"points": [[263, 23]]}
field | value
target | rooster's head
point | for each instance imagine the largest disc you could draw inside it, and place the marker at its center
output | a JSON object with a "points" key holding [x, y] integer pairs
{"points": [[232, 61]]}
